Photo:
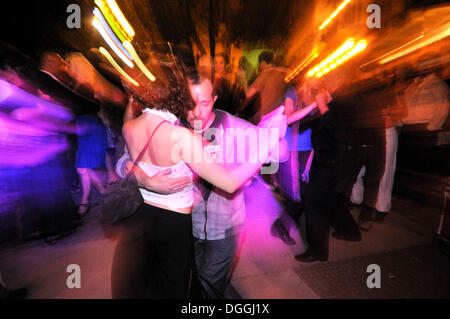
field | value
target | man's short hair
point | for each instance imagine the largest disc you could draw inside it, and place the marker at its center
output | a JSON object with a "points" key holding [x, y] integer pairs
{"points": [[192, 76], [195, 77], [266, 56]]}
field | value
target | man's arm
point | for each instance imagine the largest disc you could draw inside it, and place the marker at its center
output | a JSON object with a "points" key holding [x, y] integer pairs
{"points": [[158, 183]]}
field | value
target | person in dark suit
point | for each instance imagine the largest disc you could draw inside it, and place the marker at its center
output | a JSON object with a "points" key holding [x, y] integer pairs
{"points": [[319, 197]]}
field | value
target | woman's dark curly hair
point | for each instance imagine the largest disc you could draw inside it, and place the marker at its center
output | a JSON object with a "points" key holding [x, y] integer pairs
{"points": [[170, 91]]}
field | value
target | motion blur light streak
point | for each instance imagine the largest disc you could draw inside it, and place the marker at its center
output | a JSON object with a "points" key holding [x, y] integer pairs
{"points": [[29, 132], [343, 53], [138, 61], [111, 33], [24, 144], [379, 58], [361, 45], [96, 23], [118, 68], [14, 97], [311, 57], [120, 17], [343, 48], [425, 42], [5, 91], [334, 14], [109, 16]]}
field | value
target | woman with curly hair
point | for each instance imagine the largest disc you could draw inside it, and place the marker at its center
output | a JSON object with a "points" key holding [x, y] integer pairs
{"points": [[154, 253]]}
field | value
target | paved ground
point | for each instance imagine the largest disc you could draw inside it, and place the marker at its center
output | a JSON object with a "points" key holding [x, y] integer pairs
{"points": [[411, 265]]}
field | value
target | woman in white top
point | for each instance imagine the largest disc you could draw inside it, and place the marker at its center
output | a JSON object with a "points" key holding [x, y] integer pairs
{"points": [[153, 257]]}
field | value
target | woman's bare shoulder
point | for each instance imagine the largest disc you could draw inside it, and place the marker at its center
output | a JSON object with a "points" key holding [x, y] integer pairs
{"points": [[133, 127]]}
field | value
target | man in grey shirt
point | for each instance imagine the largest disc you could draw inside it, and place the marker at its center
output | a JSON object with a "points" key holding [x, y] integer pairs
{"points": [[217, 216]]}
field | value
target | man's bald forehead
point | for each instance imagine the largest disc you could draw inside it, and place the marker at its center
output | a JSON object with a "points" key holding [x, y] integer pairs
{"points": [[202, 88]]}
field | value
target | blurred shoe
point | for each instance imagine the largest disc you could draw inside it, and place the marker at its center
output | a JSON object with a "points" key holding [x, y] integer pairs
{"points": [[278, 230], [380, 216], [111, 183], [308, 257], [53, 239], [365, 218], [17, 294], [83, 209], [346, 237], [75, 190]]}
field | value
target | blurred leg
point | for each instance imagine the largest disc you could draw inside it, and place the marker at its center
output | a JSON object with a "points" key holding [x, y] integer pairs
{"points": [[109, 162], [318, 197], [387, 181], [131, 266], [317, 232], [96, 181], [343, 222], [358, 188], [85, 185], [215, 267], [374, 161]]}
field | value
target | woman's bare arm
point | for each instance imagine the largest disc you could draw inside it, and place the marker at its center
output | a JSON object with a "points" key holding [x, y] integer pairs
{"points": [[204, 165], [299, 114], [229, 180]]}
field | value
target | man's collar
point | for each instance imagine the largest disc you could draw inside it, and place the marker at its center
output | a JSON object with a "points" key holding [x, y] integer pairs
{"points": [[211, 119]]}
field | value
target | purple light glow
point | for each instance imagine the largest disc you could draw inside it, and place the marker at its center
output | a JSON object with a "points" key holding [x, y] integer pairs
{"points": [[14, 97]]}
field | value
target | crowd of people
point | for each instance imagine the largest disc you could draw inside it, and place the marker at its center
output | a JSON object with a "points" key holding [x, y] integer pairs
{"points": [[334, 147]]}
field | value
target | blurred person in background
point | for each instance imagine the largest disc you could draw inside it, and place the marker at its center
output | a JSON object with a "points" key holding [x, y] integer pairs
{"points": [[269, 88], [245, 74], [426, 96], [265, 94], [91, 155], [363, 117], [111, 140], [295, 169], [229, 94], [35, 184], [393, 111], [317, 195], [318, 192]]}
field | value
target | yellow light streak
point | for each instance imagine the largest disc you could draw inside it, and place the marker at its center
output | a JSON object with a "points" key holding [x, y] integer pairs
{"points": [[343, 48], [404, 45], [311, 57], [113, 23], [425, 42], [118, 68], [120, 17], [138, 61], [334, 14], [96, 23], [342, 54]]}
